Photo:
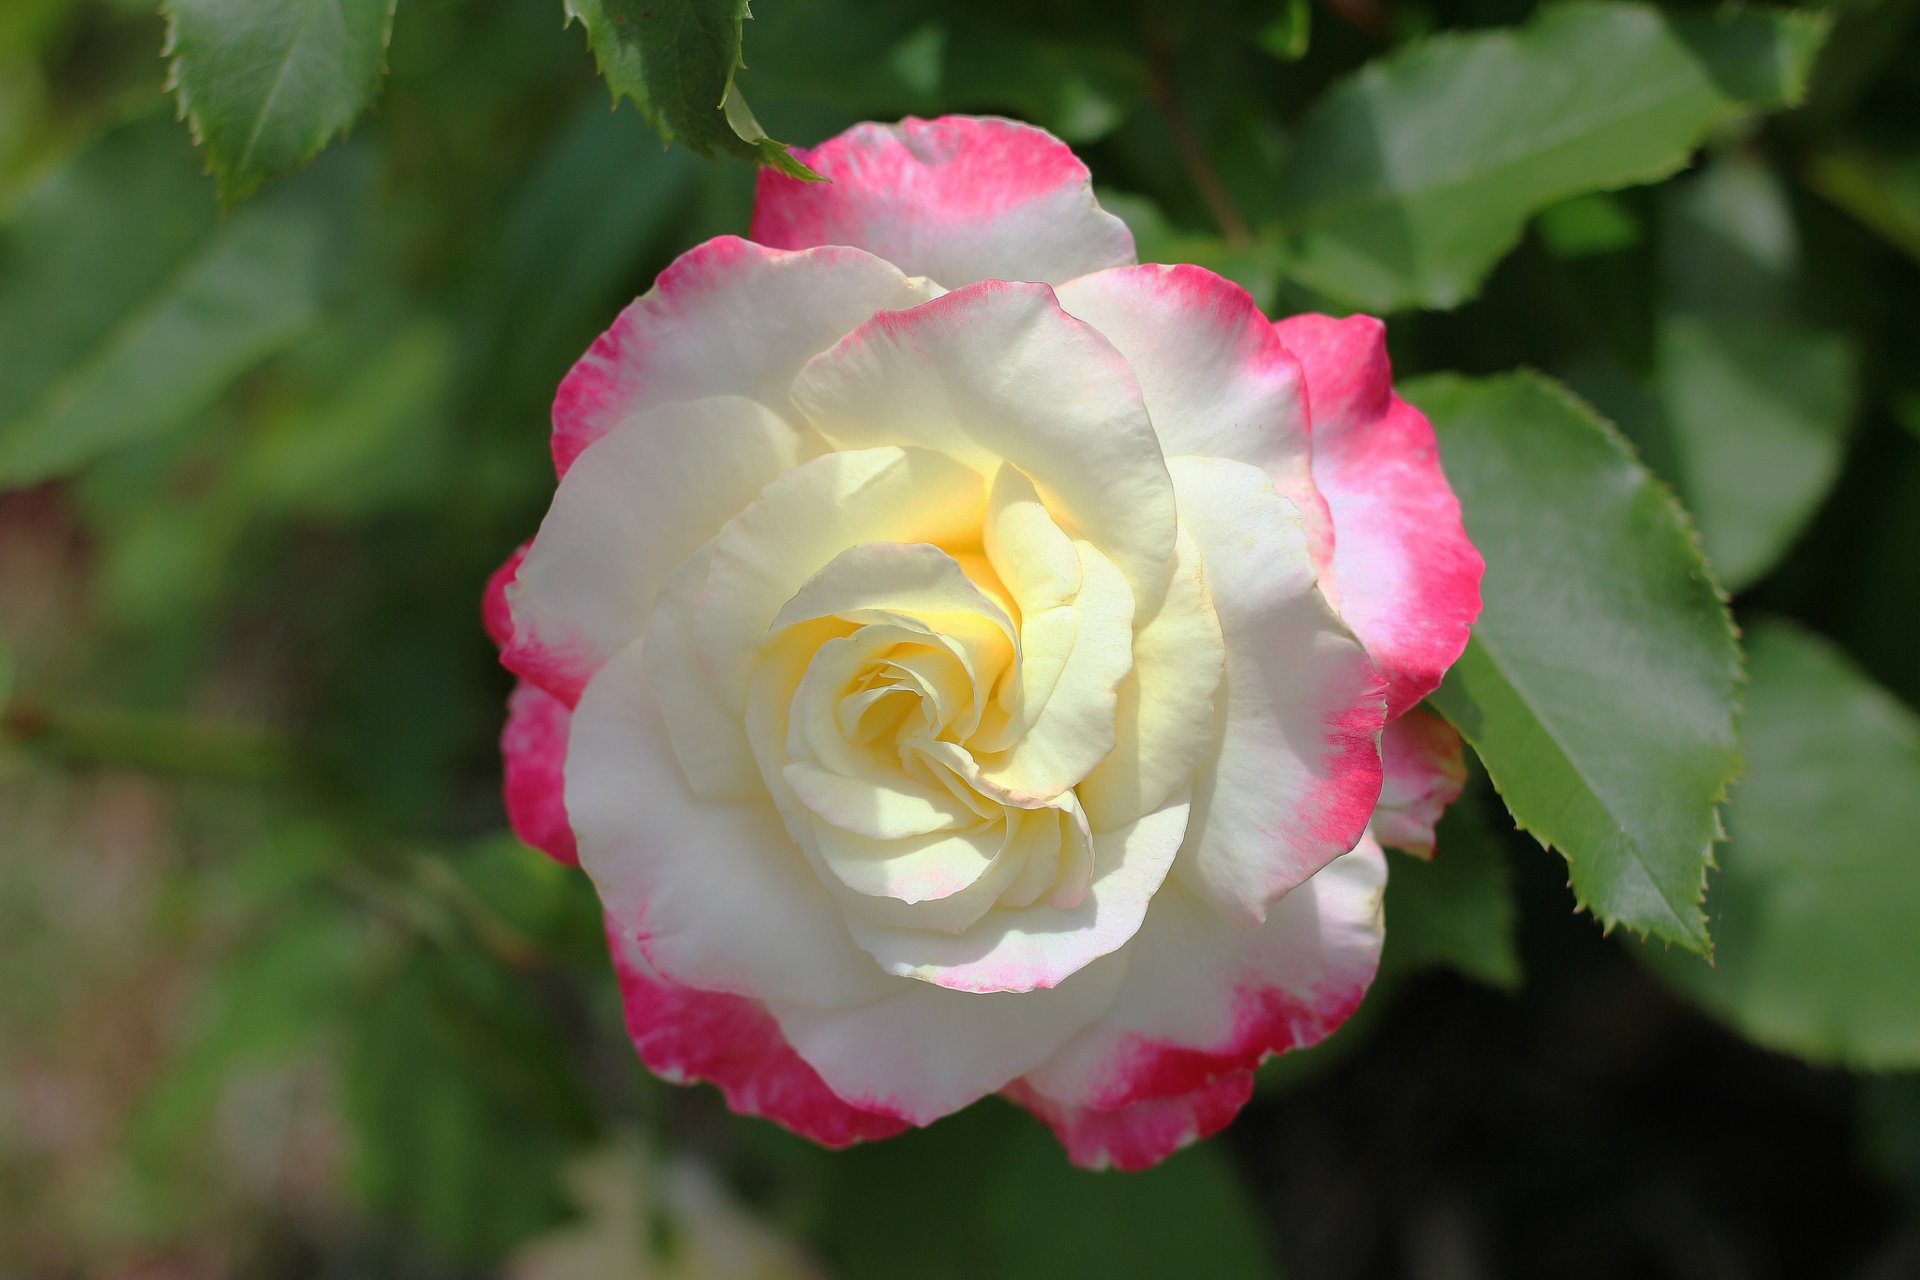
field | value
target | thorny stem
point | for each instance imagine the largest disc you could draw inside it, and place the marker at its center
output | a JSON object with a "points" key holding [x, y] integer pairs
{"points": [[1206, 180]]}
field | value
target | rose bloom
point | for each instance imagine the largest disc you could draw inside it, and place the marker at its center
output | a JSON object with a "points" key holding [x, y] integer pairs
{"points": [[966, 661]]}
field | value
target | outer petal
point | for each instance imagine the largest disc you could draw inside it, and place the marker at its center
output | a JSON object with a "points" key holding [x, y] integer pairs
{"points": [[926, 1052], [1426, 769], [534, 746], [1296, 770], [1405, 577], [644, 498], [1143, 1134], [685, 1035], [1203, 1000], [495, 614], [957, 199], [1216, 378], [717, 894], [997, 372], [726, 318]]}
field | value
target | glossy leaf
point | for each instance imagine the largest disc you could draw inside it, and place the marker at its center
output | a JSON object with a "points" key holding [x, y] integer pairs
{"points": [[1601, 686], [1817, 896], [267, 83], [1410, 180], [676, 60], [127, 304]]}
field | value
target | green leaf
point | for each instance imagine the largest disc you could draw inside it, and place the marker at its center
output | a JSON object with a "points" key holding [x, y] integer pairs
{"points": [[1455, 911], [127, 305], [1409, 181], [266, 83], [466, 1102], [1748, 405], [676, 60], [1817, 898], [1601, 685], [1881, 193]]}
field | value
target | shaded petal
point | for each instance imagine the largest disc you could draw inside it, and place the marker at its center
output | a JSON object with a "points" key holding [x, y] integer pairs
{"points": [[1293, 780], [684, 1035], [727, 317], [1202, 1000], [534, 748], [1403, 573], [1426, 768], [926, 1052], [997, 372], [635, 506], [1164, 716], [1143, 1134], [957, 199], [717, 894]]}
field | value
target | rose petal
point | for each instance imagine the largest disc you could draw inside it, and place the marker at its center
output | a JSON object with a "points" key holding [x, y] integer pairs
{"points": [[717, 893], [684, 1035], [1143, 1134], [495, 615], [1164, 715], [727, 317], [1215, 376], [1426, 768], [1202, 999], [534, 748], [1043, 944], [1297, 768], [995, 373], [926, 1052], [1405, 577], [639, 501], [956, 199]]}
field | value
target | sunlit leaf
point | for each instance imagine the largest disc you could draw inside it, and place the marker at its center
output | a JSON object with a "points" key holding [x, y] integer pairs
{"points": [[676, 61], [1410, 180], [267, 83], [1601, 685]]}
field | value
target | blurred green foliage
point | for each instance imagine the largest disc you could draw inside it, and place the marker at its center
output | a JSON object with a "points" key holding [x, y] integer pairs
{"points": [[265, 939]]}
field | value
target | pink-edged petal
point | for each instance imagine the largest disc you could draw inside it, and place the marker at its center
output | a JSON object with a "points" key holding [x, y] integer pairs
{"points": [[1426, 768], [957, 199], [639, 502], [1143, 1134], [685, 1035], [1216, 378], [997, 372], [534, 748], [1403, 573], [716, 892], [495, 614], [1295, 772], [728, 317], [926, 1052], [1202, 999]]}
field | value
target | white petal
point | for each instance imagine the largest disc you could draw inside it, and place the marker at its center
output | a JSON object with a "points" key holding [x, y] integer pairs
{"points": [[720, 896], [1293, 779], [994, 373]]}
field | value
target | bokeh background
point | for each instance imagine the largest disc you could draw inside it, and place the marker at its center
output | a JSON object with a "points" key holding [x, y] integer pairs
{"points": [[280, 997]]}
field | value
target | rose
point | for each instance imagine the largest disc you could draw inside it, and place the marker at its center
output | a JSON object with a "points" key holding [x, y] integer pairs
{"points": [[964, 661]]}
